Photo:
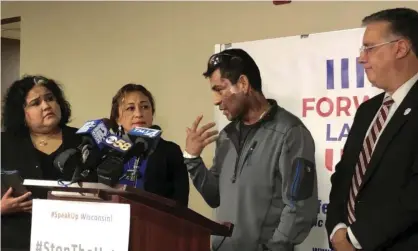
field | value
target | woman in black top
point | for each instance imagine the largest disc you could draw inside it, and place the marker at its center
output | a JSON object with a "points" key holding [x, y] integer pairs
{"points": [[163, 172], [35, 114]]}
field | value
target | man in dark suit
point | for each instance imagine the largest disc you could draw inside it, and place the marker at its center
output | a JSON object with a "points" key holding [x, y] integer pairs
{"points": [[374, 196]]}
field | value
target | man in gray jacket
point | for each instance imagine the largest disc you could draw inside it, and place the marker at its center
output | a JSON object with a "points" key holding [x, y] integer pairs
{"points": [[263, 177]]}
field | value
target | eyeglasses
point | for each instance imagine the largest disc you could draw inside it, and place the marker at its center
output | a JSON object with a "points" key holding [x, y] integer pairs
{"points": [[220, 58], [366, 49]]}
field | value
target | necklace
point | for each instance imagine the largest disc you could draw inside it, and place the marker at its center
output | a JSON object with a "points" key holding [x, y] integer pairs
{"points": [[43, 142], [262, 115]]}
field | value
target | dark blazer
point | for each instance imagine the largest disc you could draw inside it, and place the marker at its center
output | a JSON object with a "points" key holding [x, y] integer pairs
{"points": [[166, 174], [387, 203], [18, 153]]}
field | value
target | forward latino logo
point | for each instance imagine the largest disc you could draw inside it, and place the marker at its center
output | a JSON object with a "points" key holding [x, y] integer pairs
{"points": [[322, 212], [344, 78], [337, 105]]}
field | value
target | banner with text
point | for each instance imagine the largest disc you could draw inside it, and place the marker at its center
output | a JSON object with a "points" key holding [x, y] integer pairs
{"points": [[318, 78], [79, 226]]}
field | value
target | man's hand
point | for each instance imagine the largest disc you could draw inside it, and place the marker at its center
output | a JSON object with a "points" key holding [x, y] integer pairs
{"points": [[10, 204], [339, 241], [198, 139], [339, 235]]}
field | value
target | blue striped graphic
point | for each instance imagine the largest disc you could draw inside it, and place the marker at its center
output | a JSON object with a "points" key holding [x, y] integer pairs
{"points": [[360, 74], [344, 73], [330, 74], [345, 79]]}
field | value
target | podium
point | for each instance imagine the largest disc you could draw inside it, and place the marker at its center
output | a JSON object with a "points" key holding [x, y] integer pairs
{"points": [[157, 223]]}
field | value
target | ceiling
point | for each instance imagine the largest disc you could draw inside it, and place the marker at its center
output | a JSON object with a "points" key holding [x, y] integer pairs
{"points": [[11, 30]]}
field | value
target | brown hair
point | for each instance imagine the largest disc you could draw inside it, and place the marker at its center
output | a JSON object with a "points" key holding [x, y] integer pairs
{"points": [[128, 88]]}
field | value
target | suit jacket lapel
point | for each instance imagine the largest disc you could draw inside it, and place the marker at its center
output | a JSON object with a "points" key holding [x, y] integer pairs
{"points": [[392, 128]]}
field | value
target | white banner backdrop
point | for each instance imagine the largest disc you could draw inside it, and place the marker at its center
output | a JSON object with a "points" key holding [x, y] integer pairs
{"points": [[317, 78]]}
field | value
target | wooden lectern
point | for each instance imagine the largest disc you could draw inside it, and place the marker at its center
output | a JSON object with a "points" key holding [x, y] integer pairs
{"points": [[157, 223]]}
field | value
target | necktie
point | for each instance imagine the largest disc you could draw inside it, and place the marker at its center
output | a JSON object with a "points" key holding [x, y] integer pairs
{"points": [[366, 154]]}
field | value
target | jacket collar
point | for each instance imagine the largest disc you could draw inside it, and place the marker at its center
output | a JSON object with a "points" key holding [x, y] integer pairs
{"points": [[234, 126]]}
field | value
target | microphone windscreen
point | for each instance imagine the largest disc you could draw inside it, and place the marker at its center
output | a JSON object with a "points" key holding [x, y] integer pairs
{"points": [[62, 162], [141, 144], [91, 156], [110, 170], [139, 149], [156, 127], [87, 140], [126, 137], [107, 122]]}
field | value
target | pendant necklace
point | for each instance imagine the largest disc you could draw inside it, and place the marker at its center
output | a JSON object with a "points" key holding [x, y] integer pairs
{"points": [[43, 142]]}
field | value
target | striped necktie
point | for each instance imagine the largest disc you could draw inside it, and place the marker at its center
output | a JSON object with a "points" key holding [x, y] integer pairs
{"points": [[366, 154]]}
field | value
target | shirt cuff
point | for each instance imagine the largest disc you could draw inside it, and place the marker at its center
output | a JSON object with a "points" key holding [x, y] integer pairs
{"points": [[338, 226], [353, 239], [186, 155]]}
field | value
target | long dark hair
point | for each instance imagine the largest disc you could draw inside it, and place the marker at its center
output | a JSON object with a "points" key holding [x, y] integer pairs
{"points": [[13, 114]]}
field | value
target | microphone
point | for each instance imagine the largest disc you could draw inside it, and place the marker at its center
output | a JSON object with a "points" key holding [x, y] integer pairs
{"points": [[61, 160], [156, 127], [111, 169], [116, 145], [145, 141], [140, 143], [94, 132], [147, 138], [67, 161], [88, 154]]}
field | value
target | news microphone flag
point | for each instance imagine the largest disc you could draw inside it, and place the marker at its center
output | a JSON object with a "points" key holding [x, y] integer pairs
{"points": [[96, 129], [145, 132]]}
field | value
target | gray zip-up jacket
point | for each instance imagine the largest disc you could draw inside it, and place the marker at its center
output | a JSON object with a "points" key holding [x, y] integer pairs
{"points": [[268, 190]]}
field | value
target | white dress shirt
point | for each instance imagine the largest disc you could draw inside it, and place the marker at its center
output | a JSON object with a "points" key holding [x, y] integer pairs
{"points": [[398, 96]]}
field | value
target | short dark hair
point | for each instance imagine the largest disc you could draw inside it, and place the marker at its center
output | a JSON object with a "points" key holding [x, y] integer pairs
{"points": [[403, 22], [233, 63], [128, 88], [13, 114]]}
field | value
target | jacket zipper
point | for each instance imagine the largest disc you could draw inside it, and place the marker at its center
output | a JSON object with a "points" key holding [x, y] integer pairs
{"points": [[295, 182], [248, 155], [234, 175]]}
